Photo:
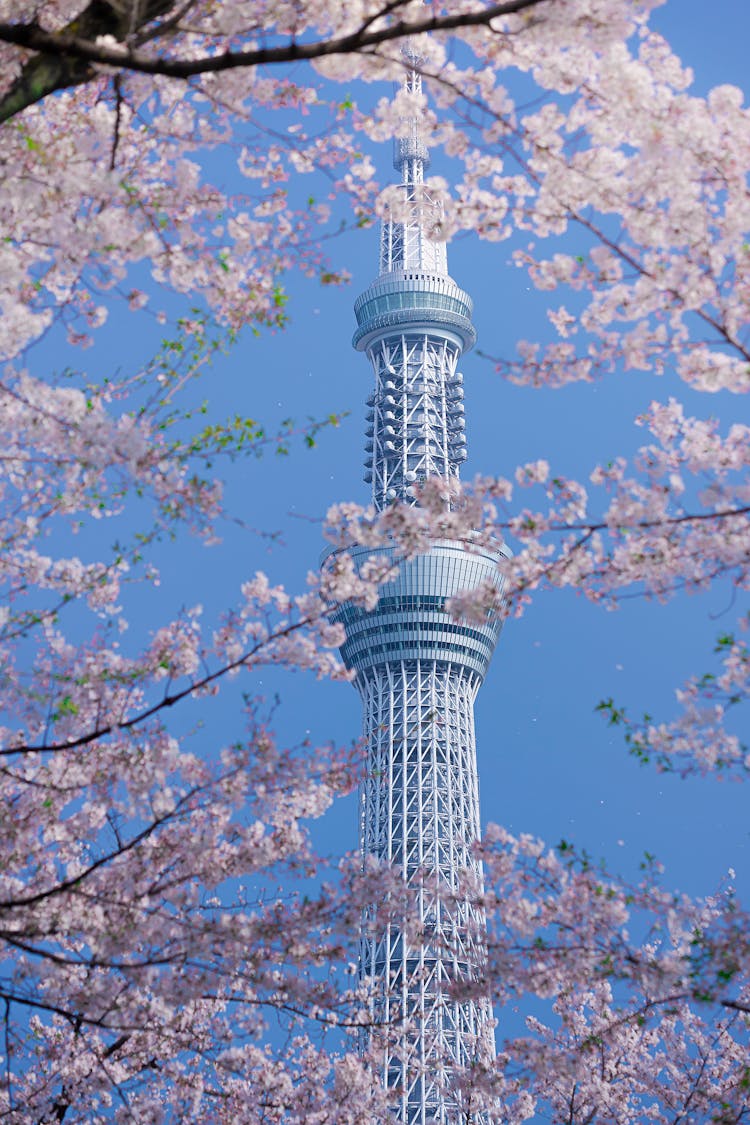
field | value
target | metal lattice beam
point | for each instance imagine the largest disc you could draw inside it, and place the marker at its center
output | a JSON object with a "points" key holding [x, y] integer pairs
{"points": [[420, 812], [416, 414]]}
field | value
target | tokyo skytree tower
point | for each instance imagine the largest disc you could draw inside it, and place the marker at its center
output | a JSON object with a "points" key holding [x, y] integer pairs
{"points": [[418, 671]]}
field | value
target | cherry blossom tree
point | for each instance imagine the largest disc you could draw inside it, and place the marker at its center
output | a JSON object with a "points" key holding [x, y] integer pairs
{"points": [[152, 970]]}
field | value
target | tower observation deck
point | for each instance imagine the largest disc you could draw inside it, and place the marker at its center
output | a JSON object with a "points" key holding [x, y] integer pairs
{"points": [[418, 670]]}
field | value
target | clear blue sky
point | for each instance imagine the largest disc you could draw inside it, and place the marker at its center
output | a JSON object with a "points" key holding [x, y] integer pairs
{"points": [[548, 765]]}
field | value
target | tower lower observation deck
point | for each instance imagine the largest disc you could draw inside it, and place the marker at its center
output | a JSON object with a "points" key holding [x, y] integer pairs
{"points": [[418, 671]]}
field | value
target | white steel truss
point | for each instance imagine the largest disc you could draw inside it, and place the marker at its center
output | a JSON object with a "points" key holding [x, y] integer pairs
{"points": [[405, 244], [420, 812], [416, 414]]}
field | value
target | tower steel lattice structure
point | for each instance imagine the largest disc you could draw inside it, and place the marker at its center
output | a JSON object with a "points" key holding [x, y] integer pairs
{"points": [[418, 670]]}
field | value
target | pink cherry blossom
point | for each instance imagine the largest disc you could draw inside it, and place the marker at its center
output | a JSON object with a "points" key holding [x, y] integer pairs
{"points": [[152, 969]]}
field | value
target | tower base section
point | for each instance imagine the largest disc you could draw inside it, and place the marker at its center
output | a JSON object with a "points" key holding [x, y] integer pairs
{"points": [[420, 813]]}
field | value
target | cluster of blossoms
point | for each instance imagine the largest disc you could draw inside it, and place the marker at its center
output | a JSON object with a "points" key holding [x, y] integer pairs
{"points": [[144, 946], [646, 991]]}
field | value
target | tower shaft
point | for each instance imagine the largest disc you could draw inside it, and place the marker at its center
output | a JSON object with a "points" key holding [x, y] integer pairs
{"points": [[420, 812], [416, 413], [418, 671]]}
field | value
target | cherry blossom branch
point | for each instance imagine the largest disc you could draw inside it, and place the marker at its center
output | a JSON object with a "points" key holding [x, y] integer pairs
{"points": [[638, 525], [170, 23], [33, 37], [102, 861], [639, 268], [169, 700], [68, 58]]}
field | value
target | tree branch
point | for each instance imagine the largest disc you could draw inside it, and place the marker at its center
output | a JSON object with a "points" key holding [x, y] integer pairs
{"points": [[169, 700], [68, 58], [56, 68]]}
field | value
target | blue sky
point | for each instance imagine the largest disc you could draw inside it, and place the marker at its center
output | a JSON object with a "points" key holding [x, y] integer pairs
{"points": [[548, 764]]}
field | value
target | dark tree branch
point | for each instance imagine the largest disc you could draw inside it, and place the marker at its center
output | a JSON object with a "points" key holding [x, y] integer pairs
{"points": [[68, 58], [57, 67], [117, 84], [166, 25], [169, 700]]}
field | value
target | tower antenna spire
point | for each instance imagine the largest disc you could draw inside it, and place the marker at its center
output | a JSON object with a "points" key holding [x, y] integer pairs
{"points": [[407, 240], [410, 154]]}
